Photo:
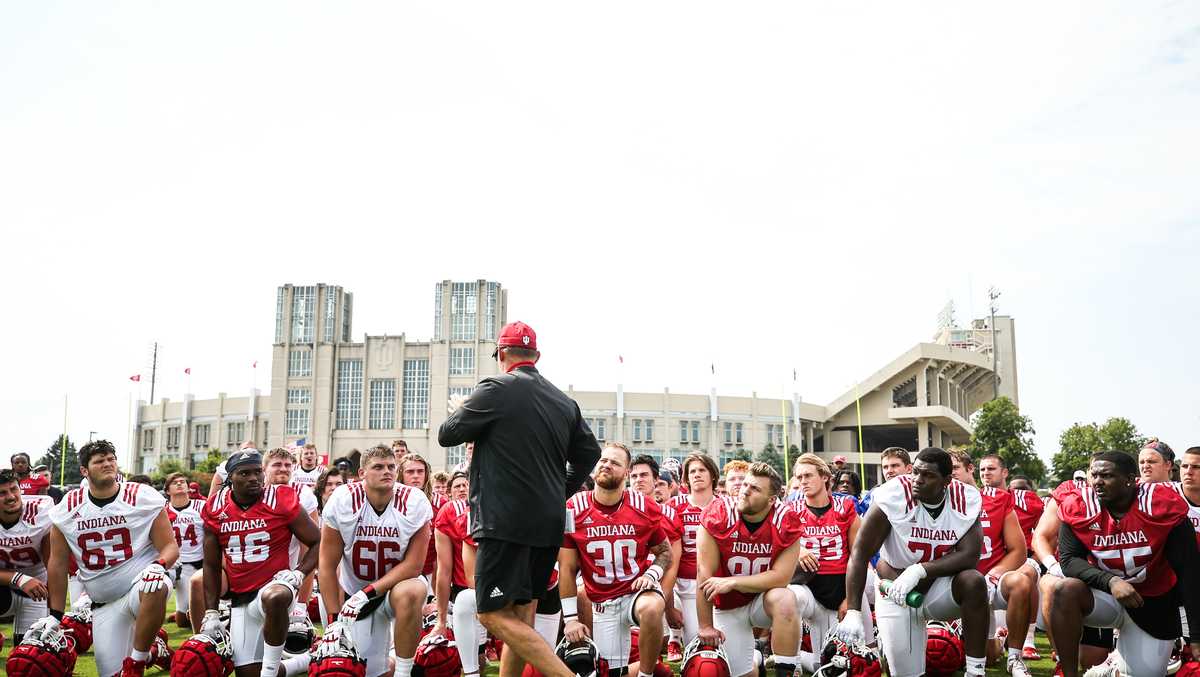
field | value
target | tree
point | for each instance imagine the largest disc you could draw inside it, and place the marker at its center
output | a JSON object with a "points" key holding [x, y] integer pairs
{"points": [[52, 460], [1001, 429], [743, 454], [772, 458], [210, 463], [1077, 444], [168, 466]]}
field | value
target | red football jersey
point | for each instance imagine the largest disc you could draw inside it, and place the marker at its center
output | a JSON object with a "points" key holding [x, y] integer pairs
{"points": [[745, 552], [687, 523], [997, 503], [670, 521], [33, 486], [613, 541], [1028, 506], [827, 536], [254, 541], [452, 521], [1060, 493], [1133, 548], [437, 501]]}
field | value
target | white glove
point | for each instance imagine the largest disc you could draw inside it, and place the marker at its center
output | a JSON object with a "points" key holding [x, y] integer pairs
{"points": [[153, 577], [353, 606], [850, 629], [290, 578], [84, 603], [905, 582], [43, 624], [335, 636], [212, 625]]}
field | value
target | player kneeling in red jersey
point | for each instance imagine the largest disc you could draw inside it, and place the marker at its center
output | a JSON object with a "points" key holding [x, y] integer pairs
{"points": [[248, 528], [615, 533], [925, 526], [1143, 545], [121, 537], [829, 524], [373, 545], [747, 551], [1011, 575]]}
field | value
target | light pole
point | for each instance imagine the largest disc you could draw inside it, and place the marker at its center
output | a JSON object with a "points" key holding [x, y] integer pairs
{"points": [[994, 294], [91, 435]]}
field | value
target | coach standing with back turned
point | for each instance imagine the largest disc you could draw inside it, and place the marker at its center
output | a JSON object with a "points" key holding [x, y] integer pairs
{"points": [[532, 451]]}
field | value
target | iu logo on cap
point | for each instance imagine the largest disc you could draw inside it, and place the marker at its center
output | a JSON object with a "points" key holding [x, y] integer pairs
{"points": [[525, 339]]}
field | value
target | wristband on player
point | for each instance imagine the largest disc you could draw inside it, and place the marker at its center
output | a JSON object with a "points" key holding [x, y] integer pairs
{"points": [[332, 618], [18, 579], [655, 571], [370, 592], [56, 614], [570, 608], [161, 562], [1048, 561]]}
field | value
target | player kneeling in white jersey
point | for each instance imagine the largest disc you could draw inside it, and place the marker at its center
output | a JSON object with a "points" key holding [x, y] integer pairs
{"points": [[24, 549], [377, 530], [925, 527], [747, 551], [616, 531], [121, 537]]}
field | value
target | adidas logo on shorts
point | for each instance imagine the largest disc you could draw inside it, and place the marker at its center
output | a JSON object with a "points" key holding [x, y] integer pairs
{"points": [[496, 593]]}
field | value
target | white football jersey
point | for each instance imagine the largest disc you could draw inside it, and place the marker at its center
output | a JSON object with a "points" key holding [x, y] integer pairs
{"points": [[111, 543], [374, 543], [221, 473], [1193, 510], [21, 544], [308, 503], [189, 530], [308, 478], [917, 537]]}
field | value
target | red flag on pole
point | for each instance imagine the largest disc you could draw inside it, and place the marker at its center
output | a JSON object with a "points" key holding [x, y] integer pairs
{"points": [[622, 359], [255, 365], [188, 371], [136, 378]]}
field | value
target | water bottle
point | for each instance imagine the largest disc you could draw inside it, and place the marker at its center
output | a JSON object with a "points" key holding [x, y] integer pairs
{"points": [[914, 599]]}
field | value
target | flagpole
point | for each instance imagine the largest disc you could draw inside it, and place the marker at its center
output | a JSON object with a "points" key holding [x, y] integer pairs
{"points": [[129, 428], [783, 414], [62, 455], [862, 466]]}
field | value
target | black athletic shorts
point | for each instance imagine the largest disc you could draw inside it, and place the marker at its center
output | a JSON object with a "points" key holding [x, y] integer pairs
{"points": [[510, 573], [1098, 637]]}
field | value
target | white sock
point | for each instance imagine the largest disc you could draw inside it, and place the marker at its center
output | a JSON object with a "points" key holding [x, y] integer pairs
{"points": [[975, 666], [296, 665], [1013, 653], [808, 661], [1029, 637], [140, 656], [270, 661], [546, 625], [404, 666], [674, 634]]}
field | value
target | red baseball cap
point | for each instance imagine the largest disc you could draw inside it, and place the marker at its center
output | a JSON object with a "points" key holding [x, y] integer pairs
{"points": [[516, 335]]}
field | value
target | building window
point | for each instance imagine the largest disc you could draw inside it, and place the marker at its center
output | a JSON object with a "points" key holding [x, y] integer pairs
{"points": [[695, 432], [461, 391], [266, 433], [330, 323], [437, 312], [383, 404], [299, 362], [775, 435], [464, 302], [738, 433], [416, 393], [456, 455], [491, 303], [597, 426], [200, 435], [298, 396], [637, 430], [173, 438], [728, 427], [349, 395], [297, 422], [462, 361], [347, 304], [147, 440], [279, 315], [235, 434], [303, 302], [694, 427], [648, 430], [683, 432]]}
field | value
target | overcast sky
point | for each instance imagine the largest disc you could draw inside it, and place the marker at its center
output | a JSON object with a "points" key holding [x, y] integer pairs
{"points": [[763, 186]]}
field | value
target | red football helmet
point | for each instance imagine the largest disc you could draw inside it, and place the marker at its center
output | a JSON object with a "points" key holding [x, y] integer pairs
{"points": [[1188, 669], [437, 656], [50, 653], [160, 650], [428, 621], [314, 609], [703, 660], [301, 638], [203, 656], [335, 655], [839, 659], [78, 625], [944, 652]]}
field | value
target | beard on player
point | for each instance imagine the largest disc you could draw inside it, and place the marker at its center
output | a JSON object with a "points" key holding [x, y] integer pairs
{"points": [[756, 496], [610, 476]]}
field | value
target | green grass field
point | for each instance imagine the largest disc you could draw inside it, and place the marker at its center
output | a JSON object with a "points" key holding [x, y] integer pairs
{"points": [[86, 666]]}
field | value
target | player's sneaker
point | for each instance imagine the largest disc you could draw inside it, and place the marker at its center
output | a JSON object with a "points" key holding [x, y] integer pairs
{"points": [[132, 668], [1030, 654], [1113, 666], [674, 651], [1016, 668]]}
